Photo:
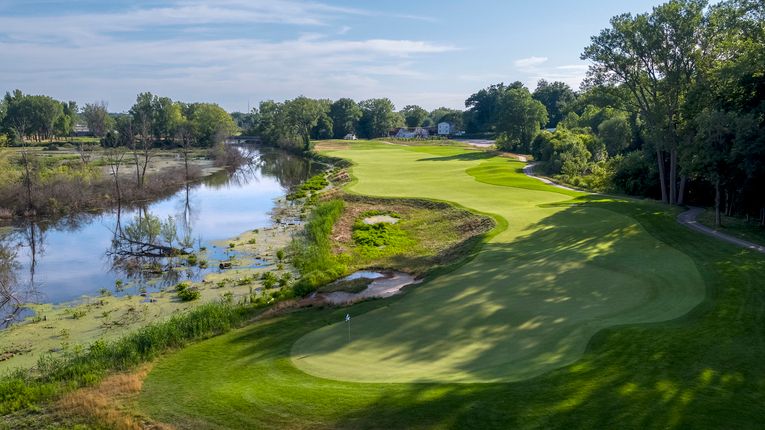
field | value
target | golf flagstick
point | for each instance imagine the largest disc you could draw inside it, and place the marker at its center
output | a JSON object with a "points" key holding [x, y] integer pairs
{"points": [[348, 322]]}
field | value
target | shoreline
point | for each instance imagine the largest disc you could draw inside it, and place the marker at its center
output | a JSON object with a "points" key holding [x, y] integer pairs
{"points": [[54, 328]]}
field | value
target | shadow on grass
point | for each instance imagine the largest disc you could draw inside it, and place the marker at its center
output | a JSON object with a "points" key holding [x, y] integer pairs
{"points": [[703, 370], [529, 306], [465, 156]]}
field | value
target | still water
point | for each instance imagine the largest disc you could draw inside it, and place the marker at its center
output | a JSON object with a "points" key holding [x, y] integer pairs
{"points": [[62, 261]]}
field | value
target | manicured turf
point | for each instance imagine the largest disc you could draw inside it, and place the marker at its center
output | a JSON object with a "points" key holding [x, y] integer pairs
{"points": [[528, 303], [702, 370]]}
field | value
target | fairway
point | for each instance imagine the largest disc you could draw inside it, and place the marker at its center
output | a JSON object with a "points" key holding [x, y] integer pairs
{"points": [[531, 299]]}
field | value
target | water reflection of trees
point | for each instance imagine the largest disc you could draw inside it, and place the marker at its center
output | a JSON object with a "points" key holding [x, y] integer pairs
{"points": [[16, 287], [147, 249], [289, 170]]}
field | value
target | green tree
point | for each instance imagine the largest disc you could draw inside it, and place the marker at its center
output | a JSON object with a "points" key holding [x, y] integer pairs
{"points": [[556, 96], [519, 118], [485, 105], [414, 115], [303, 114], [378, 117], [654, 55], [167, 116], [562, 152], [616, 134], [96, 116], [345, 114], [211, 124]]}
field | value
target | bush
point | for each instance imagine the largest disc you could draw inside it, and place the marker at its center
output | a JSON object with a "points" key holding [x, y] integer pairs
{"points": [[635, 174], [268, 279], [187, 293]]}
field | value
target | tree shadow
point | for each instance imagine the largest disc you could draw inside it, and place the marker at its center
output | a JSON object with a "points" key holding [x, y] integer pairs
{"points": [[529, 306], [703, 370], [465, 156]]}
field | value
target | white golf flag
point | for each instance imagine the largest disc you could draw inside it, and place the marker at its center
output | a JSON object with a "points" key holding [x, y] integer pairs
{"points": [[347, 317]]}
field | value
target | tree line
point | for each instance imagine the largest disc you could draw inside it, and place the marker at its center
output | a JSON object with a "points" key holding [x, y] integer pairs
{"points": [[152, 120], [673, 108], [295, 123]]}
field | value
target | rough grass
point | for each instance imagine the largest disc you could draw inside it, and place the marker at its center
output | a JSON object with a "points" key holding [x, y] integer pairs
{"points": [[702, 370]]}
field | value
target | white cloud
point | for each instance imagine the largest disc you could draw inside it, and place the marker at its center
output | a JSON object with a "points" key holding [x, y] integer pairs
{"points": [[530, 62], [536, 68]]}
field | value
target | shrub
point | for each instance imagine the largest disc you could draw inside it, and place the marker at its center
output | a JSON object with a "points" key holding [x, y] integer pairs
{"points": [[189, 294], [268, 279]]}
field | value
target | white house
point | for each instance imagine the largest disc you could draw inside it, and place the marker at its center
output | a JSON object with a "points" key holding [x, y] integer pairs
{"points": [[444, 129], [350, 136]]}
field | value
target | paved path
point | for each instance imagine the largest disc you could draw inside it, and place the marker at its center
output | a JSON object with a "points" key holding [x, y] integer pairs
{"points": [[687, 218], [529, 171]]}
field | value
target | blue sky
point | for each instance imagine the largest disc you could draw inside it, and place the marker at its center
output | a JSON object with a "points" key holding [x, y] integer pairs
{"points": [[235, 52]]}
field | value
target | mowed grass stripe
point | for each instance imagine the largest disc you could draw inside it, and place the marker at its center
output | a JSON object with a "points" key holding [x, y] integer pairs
{"points": [[527, 303]]}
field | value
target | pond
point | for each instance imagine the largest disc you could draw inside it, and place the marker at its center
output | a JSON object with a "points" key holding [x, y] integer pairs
{"points": [[58, 262]]}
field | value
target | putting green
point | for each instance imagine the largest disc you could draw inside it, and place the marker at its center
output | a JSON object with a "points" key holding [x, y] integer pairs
{"points": [[528, 302]]}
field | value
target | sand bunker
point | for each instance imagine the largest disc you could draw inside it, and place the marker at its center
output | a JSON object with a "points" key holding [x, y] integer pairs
{"points": [[383, 284], [377, 219]]}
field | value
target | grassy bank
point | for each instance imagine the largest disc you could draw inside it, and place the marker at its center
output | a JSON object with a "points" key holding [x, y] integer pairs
{"points": [[24, 389], [699, 370], [426, 236]]}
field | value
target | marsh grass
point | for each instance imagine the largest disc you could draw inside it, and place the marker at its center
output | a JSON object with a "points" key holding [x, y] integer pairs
{"points": [[54, 376]]}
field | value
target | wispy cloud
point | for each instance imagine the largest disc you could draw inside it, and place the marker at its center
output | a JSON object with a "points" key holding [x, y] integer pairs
{"points": [[526, 63], [536, 68]]}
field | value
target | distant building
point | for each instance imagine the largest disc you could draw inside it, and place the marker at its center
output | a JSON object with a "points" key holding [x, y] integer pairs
{"points": [[350, 136], [409, 133], [81, 130], [445, 129]]}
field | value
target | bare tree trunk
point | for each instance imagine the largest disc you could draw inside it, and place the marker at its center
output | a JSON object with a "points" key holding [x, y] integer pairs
{"points": [[662, 175], [718, 218], [673, 176], [27, 178], [681, 193]]}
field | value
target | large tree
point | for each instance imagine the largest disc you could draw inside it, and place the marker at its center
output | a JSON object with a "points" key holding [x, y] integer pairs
{"points": [[96, 116], [211, 124], [556, 96], [654, 55], [378, 117], [414, 115], [484, 106], [303, 114], [345, 114], [518, 119]]}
